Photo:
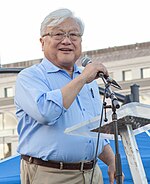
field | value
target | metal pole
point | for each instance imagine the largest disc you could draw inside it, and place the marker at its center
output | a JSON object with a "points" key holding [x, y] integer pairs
{"points": [[10, 70], [117, 154], [135, 92]]}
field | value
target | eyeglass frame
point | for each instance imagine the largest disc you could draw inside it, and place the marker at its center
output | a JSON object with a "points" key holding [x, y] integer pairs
{"points": [[64, 35]]}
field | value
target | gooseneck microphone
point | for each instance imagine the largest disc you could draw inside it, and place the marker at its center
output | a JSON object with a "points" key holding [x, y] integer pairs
{"points": [[86, 60]]}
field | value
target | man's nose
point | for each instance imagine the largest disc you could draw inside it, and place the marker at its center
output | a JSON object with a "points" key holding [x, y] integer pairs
{"points": [[66, 38]]}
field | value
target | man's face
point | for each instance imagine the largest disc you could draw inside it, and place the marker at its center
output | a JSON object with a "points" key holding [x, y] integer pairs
{"points": [[62, 52]]}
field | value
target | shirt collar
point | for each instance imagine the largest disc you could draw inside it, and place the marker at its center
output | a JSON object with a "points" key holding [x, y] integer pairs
{"points": [[51, 68]]}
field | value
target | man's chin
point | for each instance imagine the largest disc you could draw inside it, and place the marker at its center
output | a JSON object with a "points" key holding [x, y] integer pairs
{"points": [[68, 63], [67, 60]]}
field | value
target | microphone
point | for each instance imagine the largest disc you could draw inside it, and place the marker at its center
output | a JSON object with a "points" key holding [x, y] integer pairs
{"points": [[86, 60]]}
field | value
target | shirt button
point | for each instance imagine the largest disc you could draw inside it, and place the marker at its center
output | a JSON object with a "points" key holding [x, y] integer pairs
{"points": [[83, 109], [89, 141]]}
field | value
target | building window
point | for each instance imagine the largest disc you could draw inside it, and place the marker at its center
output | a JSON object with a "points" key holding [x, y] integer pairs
{"points": [[145, 72], [5, 150], [8, 92], [127, 75], [7, 121], [1, 122]]}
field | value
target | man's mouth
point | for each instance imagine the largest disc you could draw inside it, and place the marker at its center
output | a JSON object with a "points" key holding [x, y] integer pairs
{"points": [[66, 49]]}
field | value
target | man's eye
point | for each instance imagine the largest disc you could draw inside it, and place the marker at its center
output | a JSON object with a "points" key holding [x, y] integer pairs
{"points": [[59, 34], [73, 34]]}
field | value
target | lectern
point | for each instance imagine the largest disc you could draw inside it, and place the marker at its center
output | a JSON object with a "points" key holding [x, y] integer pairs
{"points": [[133, 119]]}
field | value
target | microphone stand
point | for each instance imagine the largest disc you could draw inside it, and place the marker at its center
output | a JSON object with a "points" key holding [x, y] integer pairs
{"points": [[115, 105]]}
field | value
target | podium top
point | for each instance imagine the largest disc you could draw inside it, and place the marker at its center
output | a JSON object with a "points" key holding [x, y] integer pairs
{"points": [[136, 114]]}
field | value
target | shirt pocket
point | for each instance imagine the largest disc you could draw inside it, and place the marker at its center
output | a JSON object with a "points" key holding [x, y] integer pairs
{"points": [[91, 100]]}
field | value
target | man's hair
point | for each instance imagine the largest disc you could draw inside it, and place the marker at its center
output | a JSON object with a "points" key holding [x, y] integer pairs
{"points": [[58, 16]]}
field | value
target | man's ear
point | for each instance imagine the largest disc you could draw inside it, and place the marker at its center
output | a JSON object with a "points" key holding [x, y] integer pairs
{"points": [[42, 43]]}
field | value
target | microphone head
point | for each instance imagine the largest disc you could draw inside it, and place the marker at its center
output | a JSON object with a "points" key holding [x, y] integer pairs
{"points": [[85, 60], [115, 84]]}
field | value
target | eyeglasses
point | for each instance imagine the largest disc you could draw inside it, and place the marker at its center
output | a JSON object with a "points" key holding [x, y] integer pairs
{"points": [[60, 36]]}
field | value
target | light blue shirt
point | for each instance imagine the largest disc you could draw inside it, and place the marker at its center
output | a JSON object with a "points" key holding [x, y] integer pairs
{"points": [[43, 119]]}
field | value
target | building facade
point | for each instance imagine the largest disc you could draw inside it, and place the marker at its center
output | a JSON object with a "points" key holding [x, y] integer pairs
{"points": [[128, 65]]}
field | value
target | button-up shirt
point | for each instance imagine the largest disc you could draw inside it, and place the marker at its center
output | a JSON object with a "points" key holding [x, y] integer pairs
{"points": [[42, 118]]}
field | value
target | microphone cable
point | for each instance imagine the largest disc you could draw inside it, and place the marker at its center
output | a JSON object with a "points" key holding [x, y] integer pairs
{"points": [[98, 136]]}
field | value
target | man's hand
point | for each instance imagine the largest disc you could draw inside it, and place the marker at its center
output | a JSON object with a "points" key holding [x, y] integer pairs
{"points": [[92, 70], [111, 173], [108, 157]]}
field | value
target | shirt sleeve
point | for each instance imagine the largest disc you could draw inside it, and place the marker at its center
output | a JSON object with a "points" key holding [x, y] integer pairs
{"points": [[34, 97], [106, 141], [102, 144]]}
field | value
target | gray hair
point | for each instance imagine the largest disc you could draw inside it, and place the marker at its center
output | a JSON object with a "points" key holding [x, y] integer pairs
{"points": [[58, 16]]}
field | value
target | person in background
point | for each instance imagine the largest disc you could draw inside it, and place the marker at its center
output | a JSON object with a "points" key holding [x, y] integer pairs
{"points": [[52, 96]]}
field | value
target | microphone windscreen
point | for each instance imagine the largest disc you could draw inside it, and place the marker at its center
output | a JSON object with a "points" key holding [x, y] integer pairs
{"points": [[85, 60]]}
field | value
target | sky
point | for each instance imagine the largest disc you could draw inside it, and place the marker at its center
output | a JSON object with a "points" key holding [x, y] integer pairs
{"points": [[108, 23]]}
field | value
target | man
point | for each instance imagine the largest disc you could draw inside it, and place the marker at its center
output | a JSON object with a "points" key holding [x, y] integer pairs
{"points": [[53, 96]]}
